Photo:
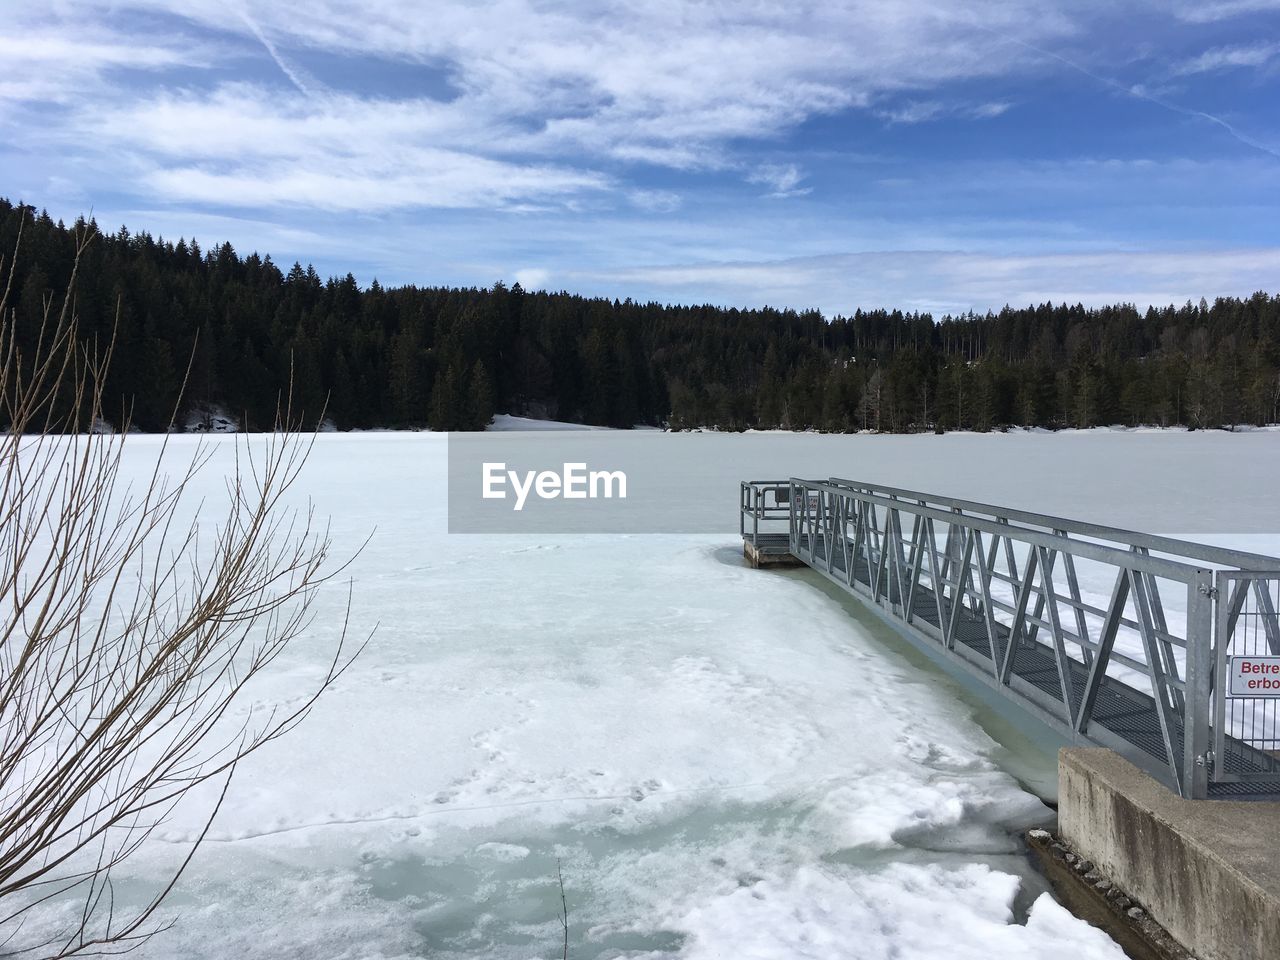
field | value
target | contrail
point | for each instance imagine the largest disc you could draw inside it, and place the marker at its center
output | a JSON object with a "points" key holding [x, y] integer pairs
{"points": [[1143, 95], [295, 76]]}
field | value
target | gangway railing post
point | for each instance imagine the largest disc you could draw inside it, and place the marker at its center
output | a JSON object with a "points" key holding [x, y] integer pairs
{"points": [[757, 503], [1196, 758], [791, 518], [742, 508]]}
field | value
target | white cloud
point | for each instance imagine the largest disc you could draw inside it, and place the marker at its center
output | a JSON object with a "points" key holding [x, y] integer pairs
{"points": [[946, 281], [546, 96], [655, 201], [1224, 58], [922, 111], [985, 111], [1193, 11], [918, 111], [1065, 246], [533, 278], [240, 146], [419, 178], [57, 63], [782, 179]]}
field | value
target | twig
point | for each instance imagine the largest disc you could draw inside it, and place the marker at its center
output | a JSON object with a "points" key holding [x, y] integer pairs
{"points": [[564, 909]]}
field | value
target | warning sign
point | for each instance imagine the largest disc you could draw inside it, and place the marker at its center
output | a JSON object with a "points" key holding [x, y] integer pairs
{"points": [[1253, 676], [811, 500]]}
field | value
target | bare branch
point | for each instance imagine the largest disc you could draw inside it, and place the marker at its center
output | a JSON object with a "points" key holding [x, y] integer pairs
{"points": [[129, 636]]}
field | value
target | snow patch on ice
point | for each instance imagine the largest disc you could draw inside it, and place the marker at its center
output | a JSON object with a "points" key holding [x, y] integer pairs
{"points": [[503, 851], [904, 912]]}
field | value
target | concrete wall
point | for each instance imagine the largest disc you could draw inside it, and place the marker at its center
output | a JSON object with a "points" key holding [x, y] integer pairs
{"points": [[1206, 870]]}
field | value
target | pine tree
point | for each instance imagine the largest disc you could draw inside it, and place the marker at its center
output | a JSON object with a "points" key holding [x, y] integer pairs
{"points": [[445, 413], [480, 406], [770, 395], [408, 383], [396, 356]]}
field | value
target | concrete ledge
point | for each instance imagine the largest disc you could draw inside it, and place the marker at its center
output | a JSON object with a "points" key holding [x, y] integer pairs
{"points": [[1208, 871], [760, 559], [1097, 899]]}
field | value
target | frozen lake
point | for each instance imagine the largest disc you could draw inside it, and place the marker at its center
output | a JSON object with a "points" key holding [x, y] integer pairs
{"points": [[725, 762]]}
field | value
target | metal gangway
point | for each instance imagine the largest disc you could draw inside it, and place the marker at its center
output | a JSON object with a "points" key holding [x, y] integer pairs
{"points": [[1161, 649]]}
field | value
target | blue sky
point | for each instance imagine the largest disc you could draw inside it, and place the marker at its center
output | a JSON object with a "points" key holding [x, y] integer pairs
{"points": [[940, 156]]}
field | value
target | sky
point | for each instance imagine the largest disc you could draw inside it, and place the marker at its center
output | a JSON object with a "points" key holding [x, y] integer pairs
{"points": [[939, 156]]}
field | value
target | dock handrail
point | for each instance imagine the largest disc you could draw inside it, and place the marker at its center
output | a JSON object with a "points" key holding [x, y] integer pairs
{"points": [[1017, 599], [1219, 556], [753, 496]]}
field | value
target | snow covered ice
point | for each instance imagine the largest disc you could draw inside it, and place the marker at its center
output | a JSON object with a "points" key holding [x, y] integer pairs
{"points": [[725, 762]]}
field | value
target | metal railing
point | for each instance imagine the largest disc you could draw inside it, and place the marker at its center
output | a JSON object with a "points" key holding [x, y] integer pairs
{"points": [[1111, 637], [1246, 721], [764, 504]]}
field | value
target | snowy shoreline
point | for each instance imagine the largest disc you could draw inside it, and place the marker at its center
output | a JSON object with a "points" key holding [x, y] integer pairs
{"points": [[221, 422]]}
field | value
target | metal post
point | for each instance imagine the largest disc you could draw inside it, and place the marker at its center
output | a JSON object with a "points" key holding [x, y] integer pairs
{"points": [[742, 506], [791, 518], [1199, 685]]}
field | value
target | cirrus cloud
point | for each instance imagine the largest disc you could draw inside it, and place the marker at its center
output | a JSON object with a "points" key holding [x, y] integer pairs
{"points": [[564, 138], [548, 101]]}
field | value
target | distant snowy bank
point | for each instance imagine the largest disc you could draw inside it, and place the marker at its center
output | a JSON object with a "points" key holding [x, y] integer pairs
{"points": [[216, 419], [504, 422], [1114, 428]]}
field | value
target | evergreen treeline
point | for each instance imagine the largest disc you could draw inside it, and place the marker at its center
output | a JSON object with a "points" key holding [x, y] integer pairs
{"points": [[449, 358]]}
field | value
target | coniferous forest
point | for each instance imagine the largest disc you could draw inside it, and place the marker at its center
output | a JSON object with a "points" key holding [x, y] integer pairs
{"points": [[449, 358]]}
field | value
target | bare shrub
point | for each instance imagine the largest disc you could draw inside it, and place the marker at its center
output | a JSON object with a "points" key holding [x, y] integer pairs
{"points": [[130, 633]]}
